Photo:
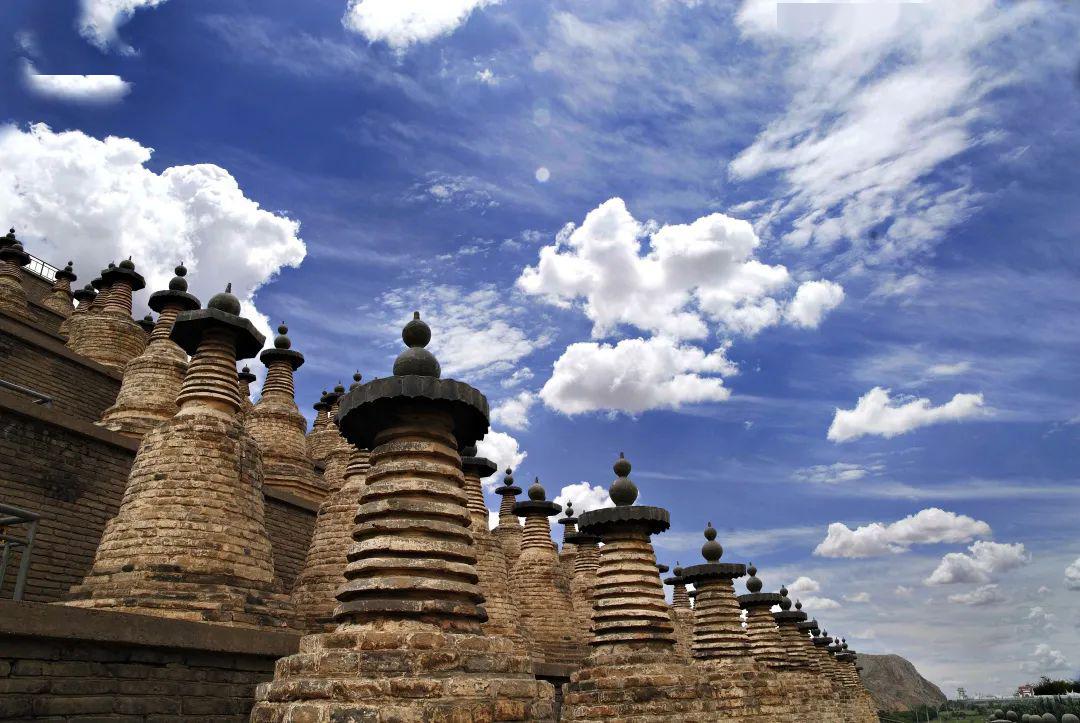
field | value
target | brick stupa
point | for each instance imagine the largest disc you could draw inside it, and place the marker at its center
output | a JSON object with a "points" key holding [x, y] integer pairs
{"points": [[58, 299], [324, 567], [798, 675], [280, 430], [632, 672], [84, 298], [547, 615], [682, 616], [409, 645], [508, 530], [323, 432], [109, 335], [13, 301], [583, 581], [744, 689], [244, 378], [491, 566], [153, 379], [189, 540]]}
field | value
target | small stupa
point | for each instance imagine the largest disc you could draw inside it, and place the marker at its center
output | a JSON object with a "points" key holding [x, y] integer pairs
{"points": [[409, 644], [110, 336], [547, 615], [13, 257], [508, 530], [153, 379], [59, 297]]}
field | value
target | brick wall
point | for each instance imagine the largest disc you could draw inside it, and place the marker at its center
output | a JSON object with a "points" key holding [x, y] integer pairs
{"points": [[71, 473], [290, 523], [61, 664], [38, 360]]}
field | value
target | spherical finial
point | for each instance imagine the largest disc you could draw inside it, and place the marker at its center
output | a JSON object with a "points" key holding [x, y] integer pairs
{"points": [[246, 369], [678, 571], [623, 491], [712, 551], [621, 466], [508, 480], [798, 605], [179, 283], [785, 601], [469, 451], [127, 264], [282, 340], [753, 584], [339, 389], [225, 301], [356, 379], [536, 492], [416, 360]]}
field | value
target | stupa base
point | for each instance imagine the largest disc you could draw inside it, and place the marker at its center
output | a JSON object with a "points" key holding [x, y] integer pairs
{"points": [[111, 340], [643, 687], [190, 599], [403, 672]]}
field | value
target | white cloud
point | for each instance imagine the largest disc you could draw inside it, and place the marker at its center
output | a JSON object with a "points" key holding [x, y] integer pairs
{"points": [[493, 519], [1045, 659], [836, 473], [1039, 617], [803, 585], [815, 604], [949, 370], [487, 77], [690, 275], [634, 376], [519, 376], [903, 591], [100, 19], [475, 333], [504, 451], [859, 597], [927, 526], [984, 595], [62, 190], [75, 88], [585, 497], [986, 560], [813, 300], [401, 23], [877, 414], [459, 191], [863, 131], [1072, 575], [514, 412]]}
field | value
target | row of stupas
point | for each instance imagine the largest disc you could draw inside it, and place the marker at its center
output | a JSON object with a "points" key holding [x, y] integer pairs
{"points": [[412, 608]]}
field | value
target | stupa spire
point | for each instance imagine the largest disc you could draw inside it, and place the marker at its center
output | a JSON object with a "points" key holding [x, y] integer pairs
{"points": [[508, 531]]}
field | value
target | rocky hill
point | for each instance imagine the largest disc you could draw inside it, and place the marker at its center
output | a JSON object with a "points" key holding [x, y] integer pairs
{"points": [[896, 685]]}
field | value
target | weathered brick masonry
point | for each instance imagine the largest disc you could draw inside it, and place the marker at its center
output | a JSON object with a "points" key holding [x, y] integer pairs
{"points": [[65, 664]]}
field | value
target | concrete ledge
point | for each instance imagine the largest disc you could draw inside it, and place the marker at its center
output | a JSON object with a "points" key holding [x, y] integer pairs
{"points": [[10, 402], [290, 499], [552, 670], [52, 343], [42, 620]]}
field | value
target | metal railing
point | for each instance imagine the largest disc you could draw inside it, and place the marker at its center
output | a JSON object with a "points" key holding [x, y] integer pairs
{"points": [[42, 268], [43, 399], [12, 516]]}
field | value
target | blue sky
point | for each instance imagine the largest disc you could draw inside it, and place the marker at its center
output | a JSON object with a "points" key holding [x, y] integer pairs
{"points": [[812, 268]]}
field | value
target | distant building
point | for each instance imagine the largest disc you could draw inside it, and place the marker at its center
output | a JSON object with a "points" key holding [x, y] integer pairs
{"points": [[1025, 691]]}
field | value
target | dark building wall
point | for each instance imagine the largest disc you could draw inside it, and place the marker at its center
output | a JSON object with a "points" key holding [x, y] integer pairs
{"points": [[71, 473], [68, 664], [38, 360], [290, 526]]}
